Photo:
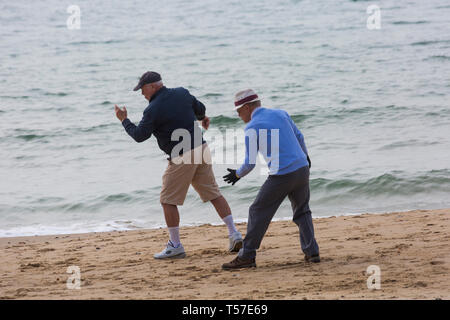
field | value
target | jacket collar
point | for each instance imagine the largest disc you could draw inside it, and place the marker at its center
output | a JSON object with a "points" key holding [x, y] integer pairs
{"points": [[163, 88], [256, 111]]}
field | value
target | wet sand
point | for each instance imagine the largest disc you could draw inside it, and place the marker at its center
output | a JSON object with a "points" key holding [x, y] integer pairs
{"points": [[412, 250]]}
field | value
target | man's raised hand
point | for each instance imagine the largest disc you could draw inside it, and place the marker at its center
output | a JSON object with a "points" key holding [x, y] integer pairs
{"points": [[121, 114]]}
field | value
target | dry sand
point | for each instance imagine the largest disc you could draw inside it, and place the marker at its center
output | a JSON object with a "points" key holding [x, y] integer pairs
{"points": [[412, 250]]}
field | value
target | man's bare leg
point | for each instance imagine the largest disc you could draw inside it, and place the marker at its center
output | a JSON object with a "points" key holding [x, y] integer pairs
{"points": [[174, 248], [222, 207], [224, 211], [172, 217]]}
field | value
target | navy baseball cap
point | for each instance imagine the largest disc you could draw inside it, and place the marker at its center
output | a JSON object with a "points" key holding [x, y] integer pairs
{"points": [[148, 77]]}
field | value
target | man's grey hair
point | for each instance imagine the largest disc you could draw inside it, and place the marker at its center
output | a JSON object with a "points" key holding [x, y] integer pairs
{"points": [[255, 104]]}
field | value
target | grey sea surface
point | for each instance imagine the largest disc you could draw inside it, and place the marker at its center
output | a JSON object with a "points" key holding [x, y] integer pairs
{"points": [[373, 105]]}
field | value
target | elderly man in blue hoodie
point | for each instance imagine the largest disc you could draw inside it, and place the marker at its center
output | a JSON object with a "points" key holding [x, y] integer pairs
{"points": [[273, 133]]}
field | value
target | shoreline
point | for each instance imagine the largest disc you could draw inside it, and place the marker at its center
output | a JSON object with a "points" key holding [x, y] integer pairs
{"points": [[214, 224], [411, 248]]}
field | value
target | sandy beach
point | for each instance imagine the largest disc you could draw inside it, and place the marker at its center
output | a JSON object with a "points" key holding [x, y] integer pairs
{"points": [[412, 250]]}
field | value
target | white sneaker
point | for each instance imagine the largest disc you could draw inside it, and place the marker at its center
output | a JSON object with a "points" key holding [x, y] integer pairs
{"points": [[236, 241], [170, 252]]}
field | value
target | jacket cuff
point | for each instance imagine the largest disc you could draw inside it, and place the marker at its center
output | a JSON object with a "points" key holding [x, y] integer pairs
{"points": [[125, 122]]}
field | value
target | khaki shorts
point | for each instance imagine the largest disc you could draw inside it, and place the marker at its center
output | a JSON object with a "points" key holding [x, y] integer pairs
{"points": [[184, 171]]}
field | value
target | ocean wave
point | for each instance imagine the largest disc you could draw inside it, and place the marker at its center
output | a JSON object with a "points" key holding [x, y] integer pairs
{"points": [[82, 65], [438, 113], [334, 114], [395, 183], [91, 205], [45, 93], [425, 43], [407, 144], [212, 95], [88, 205], [47, 200], [77, 43], [57, 94], [326, 115], [224, 120], [39, 135], [299, 118], [15, 97], [409, 22], [74, 228], [30, 137], [438, 57], [120, 197], [96, 128]]}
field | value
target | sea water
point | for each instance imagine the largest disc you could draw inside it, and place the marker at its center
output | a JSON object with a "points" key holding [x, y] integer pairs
{"points": [[372, 103]]}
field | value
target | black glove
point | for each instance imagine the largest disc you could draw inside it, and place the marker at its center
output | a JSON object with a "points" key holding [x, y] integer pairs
{"points": [[309, 161], [231, 177]]}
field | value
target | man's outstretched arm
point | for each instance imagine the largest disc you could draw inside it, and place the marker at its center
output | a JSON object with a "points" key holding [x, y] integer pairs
{"points": [[251, 150], [142, 131]]}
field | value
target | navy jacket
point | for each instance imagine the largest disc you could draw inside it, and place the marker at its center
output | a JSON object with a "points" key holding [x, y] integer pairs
{"points": [[168, 110]]}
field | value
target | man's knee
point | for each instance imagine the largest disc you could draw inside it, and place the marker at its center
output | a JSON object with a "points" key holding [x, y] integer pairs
{"points": [[167, 207], [217, 199], [300, 214], [168, 204], [254, 208]]}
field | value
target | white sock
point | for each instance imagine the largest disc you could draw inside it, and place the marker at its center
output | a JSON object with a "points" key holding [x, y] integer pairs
{"points": [[174, 234], [230, 224]]}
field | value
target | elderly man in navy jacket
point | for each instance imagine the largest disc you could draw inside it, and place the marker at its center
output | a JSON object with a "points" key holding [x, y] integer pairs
{"points": [[170, 110]]}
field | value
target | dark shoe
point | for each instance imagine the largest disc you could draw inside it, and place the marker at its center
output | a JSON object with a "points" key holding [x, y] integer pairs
{"points": [[314, 259], [239, 263]]}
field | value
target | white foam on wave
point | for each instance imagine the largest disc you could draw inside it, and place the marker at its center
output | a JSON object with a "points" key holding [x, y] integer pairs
{"points": [[127, 225], [41, 230]]}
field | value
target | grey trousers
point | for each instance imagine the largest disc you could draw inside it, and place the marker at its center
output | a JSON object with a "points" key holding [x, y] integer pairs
{"points": [[294, 185]]}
